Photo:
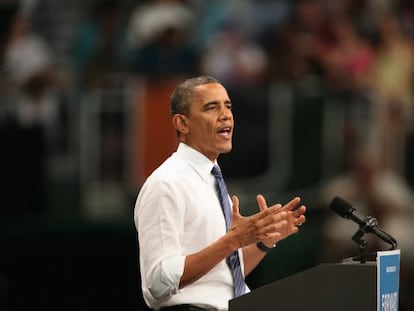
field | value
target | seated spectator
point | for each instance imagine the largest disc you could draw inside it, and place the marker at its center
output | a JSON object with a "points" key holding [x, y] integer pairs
{"points": [[158, 40]]}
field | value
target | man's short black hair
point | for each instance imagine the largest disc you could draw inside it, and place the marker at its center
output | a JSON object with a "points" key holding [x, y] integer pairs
{"points": [[182, 96]]}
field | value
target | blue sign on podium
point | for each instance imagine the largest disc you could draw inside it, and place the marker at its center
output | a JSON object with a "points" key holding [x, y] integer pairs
{"points": [[388, 272]]}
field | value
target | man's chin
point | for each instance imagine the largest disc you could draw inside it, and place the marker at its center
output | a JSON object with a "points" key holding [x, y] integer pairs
{"points": [[226, 149]]}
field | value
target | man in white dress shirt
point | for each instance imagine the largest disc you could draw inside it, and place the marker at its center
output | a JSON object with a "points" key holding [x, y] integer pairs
{"points": [[182, 236]]}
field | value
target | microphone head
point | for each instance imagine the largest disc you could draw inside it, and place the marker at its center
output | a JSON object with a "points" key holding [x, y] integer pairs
{"points": [[341, 207]]}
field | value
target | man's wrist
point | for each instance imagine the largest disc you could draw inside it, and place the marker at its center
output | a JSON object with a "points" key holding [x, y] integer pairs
{"points": [[264, 248]]}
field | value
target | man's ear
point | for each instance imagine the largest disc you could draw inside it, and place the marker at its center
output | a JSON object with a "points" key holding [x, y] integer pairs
{"points": [[180, 123]]}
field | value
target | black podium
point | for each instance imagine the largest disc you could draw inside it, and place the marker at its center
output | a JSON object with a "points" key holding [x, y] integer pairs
{"points": [[329, 286]]}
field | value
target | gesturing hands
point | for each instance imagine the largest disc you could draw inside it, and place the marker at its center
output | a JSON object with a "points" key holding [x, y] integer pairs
{"points": [[270, 225]]}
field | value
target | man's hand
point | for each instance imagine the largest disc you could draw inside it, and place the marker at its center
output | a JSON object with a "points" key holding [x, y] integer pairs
{"points": [[295, 217], [269, 225]]}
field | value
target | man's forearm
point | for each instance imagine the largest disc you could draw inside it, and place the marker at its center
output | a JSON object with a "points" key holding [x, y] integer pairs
{"points": [[199, 263]]}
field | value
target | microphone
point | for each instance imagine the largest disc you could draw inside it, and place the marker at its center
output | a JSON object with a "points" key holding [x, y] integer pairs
{"points": [[367, 224]]}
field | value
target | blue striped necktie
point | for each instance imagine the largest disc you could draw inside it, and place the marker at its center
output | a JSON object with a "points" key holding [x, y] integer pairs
{"points": [[233, 260]]}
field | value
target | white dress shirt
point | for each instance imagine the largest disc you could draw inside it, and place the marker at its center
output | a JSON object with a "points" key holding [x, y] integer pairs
{"points": [[178, 213]]}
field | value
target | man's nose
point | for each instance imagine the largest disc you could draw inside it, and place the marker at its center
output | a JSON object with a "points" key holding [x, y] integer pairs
{"points": [[226, 113]]}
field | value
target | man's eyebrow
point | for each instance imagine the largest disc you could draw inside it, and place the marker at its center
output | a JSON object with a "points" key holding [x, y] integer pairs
{"points": [[216, 102], [211, 103]]}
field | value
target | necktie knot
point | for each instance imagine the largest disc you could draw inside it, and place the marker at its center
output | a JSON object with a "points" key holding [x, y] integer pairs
{"points": [[216, 172]]}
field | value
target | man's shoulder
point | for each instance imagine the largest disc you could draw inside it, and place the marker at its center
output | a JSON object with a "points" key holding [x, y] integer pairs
{"points": [[171, 169]]}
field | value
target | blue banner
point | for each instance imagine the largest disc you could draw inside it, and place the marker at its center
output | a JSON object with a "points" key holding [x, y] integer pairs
{"points": [[388, 277]]}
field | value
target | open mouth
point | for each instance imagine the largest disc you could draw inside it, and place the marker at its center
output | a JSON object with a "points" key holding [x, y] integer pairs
{"points": [[224, 131]]}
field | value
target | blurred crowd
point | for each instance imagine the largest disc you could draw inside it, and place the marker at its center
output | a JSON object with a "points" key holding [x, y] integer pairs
{"points": [[360, 52]]}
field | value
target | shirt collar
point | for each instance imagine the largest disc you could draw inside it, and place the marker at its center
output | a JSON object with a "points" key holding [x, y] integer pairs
{"points": [[201, 164]]}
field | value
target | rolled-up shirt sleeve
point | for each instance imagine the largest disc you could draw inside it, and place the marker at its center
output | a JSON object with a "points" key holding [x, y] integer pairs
{"points": [[166, 277], [159, 221]]}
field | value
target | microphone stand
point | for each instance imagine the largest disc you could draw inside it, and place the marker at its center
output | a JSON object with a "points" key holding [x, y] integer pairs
{"points": [[357, 238], [365, 227]]}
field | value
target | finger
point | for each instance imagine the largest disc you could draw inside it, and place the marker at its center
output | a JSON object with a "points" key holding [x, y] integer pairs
{"points": [[300, 211], [300, 220], [236, 210], [294, 230], [261, 201], [270, 214], [277, 207], [292, 204], [273, 219]]}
